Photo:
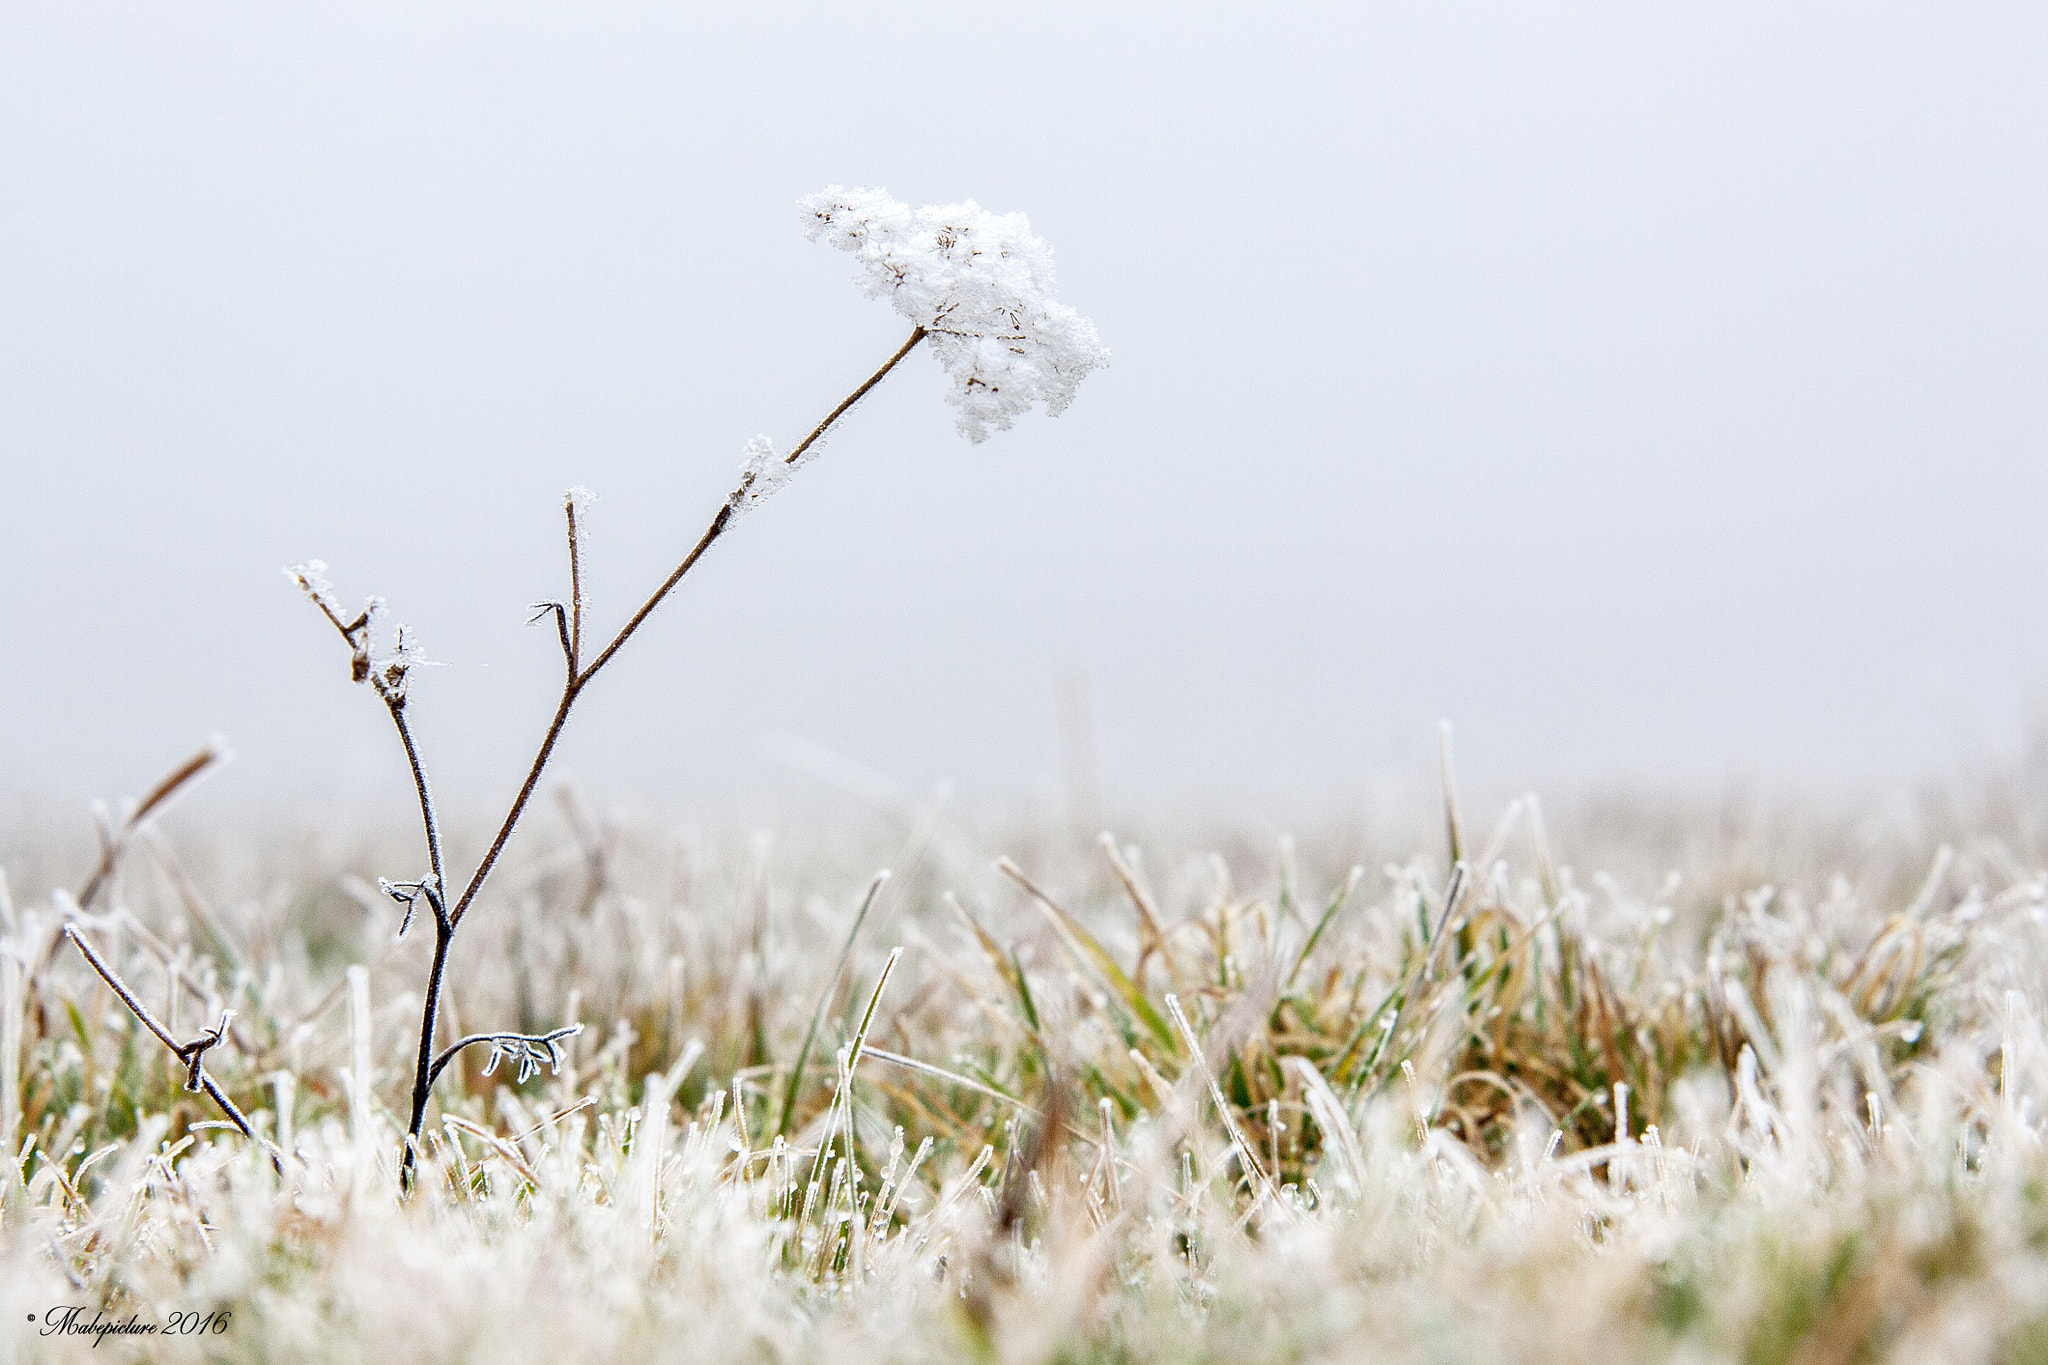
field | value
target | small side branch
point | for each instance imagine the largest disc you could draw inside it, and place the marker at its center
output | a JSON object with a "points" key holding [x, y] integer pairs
{"points": [[563, 629], [574, 646], [409, 895], [529, 1051], [192, 1054]]}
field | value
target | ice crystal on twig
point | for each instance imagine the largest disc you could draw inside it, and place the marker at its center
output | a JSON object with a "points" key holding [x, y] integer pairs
{"points": [[980, 285], [761, 473]]}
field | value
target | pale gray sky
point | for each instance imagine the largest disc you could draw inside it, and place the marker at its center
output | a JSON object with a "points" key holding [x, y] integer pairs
{"points": [[1656, 390]]}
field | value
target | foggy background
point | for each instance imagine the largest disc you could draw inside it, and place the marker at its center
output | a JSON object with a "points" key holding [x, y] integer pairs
{"points": [[1655, 390]]}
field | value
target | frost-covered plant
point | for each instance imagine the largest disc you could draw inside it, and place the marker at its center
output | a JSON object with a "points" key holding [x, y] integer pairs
{"points": [[976, 285]]}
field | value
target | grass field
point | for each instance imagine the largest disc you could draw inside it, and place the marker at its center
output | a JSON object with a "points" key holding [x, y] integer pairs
{"points": [[1774, 1090]]}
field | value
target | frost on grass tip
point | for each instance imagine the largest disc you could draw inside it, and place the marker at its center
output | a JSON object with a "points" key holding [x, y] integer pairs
{"points": [[980, 285]]}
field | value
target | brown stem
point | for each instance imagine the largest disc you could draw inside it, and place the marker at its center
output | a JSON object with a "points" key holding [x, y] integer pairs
{"points": [[437, 899], [578, 681], [561, 615], [189, 1053], [526, 788], [574, 647], [423, 1073], [917, 334], [711, 533]]}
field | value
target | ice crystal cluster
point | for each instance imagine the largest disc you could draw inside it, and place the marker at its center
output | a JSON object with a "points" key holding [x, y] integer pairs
{"points": [[980, 285], [761, 473]]}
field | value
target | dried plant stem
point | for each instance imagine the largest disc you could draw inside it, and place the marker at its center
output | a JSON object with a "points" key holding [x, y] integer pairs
{"points": [[444, 929], [569, 623], [426, 795], [192, 1053], [112, 848], [917, 334], [114, 843], [424, 1072], [574, 645]]}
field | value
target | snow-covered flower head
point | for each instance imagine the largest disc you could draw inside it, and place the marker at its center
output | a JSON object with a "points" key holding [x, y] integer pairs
{"points": [[980, 285]]}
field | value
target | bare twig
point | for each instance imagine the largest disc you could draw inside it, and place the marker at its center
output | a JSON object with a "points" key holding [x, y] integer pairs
{"points": [[569, 501], [423, 1071], [396, 705], [917, 334], [581, 679], [193, 1054], [562, 629]]}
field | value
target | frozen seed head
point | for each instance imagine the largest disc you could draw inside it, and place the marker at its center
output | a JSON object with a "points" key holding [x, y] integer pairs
{"points": [[980, 285], [386, 670]]}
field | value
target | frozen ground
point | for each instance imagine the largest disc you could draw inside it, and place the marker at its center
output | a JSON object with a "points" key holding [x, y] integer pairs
{"points": [[1774, 1090]]}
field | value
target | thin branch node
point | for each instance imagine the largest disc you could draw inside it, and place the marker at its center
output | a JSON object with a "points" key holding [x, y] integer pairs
{"points": [[563, 629], [409, 895], [194, 1053]]}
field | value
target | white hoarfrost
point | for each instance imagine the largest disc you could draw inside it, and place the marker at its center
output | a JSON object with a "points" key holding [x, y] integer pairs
{"points": [[761, 473], [980, 285]]}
